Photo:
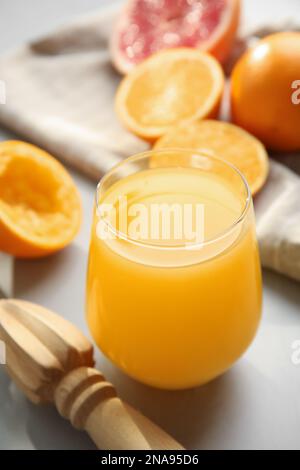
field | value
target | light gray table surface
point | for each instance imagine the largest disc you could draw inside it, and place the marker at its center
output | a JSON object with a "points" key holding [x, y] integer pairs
{"points": [[256, 405]]}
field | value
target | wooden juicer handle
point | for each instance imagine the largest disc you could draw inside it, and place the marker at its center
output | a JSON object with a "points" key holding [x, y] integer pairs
{"points": [[50, 360]]}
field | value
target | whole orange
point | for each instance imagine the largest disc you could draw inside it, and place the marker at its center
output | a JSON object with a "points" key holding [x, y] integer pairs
{"points": [[265, 91]]}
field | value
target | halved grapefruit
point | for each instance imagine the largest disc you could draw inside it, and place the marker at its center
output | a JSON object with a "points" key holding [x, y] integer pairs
{"points": [[147, 26]]}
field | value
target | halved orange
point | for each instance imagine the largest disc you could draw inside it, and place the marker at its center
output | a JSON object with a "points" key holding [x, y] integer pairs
{"points": [[171, 86], [40, 208], [226, 141]]}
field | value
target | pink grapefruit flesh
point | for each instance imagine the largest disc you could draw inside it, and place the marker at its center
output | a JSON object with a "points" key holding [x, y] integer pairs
{"points": [[147, 26]]}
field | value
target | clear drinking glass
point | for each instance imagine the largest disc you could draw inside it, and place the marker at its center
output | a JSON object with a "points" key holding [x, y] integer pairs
{"points": [[173, 308]]}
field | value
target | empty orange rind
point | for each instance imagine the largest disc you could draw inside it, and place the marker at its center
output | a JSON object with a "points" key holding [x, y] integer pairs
{"points": [[40, 207]]}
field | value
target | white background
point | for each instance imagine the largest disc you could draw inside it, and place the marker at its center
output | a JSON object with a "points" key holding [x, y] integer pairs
{"points": [[255, 405]]}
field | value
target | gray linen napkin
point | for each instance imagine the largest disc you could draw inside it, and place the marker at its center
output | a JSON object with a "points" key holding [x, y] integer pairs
{"points": [[60, 93]]}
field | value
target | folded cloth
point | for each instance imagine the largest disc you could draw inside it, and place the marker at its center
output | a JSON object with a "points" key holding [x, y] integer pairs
{"points": [[277, 210], [60, 92]]}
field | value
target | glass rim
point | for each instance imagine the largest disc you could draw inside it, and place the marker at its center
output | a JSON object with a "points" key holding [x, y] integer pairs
{"points": [[193, 245]]}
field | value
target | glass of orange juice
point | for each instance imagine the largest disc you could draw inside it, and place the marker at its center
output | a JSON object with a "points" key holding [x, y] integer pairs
{"points": [[174, 282]]}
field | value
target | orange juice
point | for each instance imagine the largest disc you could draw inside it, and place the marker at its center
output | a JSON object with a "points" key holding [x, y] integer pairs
{"points": [[175, 313]]}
